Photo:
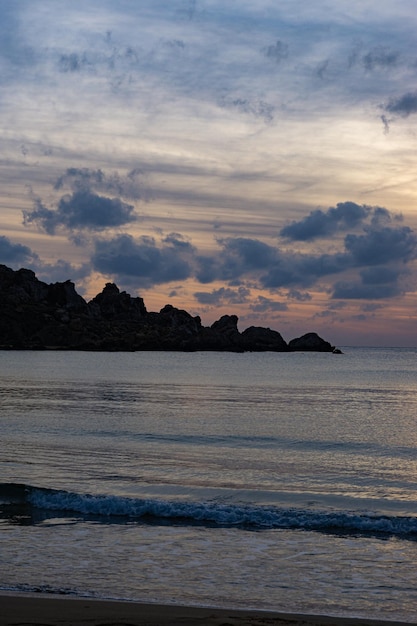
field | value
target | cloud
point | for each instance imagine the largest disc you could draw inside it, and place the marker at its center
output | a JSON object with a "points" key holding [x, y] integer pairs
{"points": [[343, 216], [88, 206], [322, 68], [179, 242], [61, 270], [380, 57], [381, 275], [376, 283], [276, 52], [130, 186], [404, 106], [242, 254], [141, 260], [377, 255], [303, 270], [224, 295], [15, 253], [382, 245], [207, 269], [380, 253], [359, 291], [257, 108], [301, 296], [72, 62], [238, 256], [263, 305], [371, 307], [242, 257], [81, 210]]}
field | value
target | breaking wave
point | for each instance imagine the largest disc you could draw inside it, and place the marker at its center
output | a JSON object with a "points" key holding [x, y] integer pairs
{"points": [[107, 508]]}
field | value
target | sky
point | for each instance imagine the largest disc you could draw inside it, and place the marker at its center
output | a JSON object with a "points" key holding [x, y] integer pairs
{"points": [[227, 157]]}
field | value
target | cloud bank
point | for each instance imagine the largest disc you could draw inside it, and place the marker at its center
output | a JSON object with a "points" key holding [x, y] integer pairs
{"points": [[371, 258]]}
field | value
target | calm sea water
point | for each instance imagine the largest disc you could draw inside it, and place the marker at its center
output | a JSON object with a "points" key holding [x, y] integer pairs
{"points": [[273, 481]]}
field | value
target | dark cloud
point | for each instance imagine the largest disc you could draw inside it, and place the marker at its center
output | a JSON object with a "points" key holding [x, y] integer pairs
{"points": [[238, 256], [142, 260], [375, 258], [224, 295], [287, 271], [130, 186], [61, 271], [178, 241], [382, 245], [254, 107], [80, 179], [263, 305], [380, 253], [207, 269], [318, 223], [380, 57], [303, 270], [112, 61], [381, 275], [322, 69], [382, 217], [337, 306], [242, 254], [404, 105], [175, 44], [301, 296], [274, 268], [386, 123], [72, 62], [14, 252], [277, 51], [324, 314], [81, 210], [371, 307], [243, 257], [376, 283], [359, 291]]}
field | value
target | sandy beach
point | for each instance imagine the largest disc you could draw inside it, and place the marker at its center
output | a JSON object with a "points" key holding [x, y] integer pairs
{"points": [[22, 609]]}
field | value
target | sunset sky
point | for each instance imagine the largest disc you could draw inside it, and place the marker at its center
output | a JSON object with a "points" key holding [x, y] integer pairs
{"points": [[247, 157]]}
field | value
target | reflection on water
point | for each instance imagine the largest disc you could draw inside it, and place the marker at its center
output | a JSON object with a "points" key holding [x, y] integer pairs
{"points": [[319, 438]]}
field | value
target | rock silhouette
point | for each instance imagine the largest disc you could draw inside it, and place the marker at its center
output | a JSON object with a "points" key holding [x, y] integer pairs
{"points": [[37, 316]]}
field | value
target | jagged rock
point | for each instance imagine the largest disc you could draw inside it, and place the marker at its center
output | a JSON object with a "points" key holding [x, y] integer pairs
{"points": [[227, 324], [21, 286], [179, 319], [224, 334], [111, 304], [176, 329], [64, 295], [263, 339], [310, 342], [35, 315]]}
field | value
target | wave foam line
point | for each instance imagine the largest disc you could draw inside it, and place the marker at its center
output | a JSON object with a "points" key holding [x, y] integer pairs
{"points": [[216, 514], [213, 514]]}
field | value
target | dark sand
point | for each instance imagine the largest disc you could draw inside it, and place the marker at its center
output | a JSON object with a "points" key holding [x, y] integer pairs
{"points": [[25, 610]]}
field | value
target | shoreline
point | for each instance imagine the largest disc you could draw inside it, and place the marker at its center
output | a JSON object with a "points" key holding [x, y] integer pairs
{"points": [[18, 608]]}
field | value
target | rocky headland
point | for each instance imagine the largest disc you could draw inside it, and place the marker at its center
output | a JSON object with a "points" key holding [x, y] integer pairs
{"points": [[38, 316]]}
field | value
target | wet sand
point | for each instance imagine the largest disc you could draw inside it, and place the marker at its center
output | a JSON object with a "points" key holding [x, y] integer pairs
{"points": [[25, 610]]}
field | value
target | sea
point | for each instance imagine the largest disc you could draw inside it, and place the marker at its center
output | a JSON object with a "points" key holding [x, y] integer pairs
{"points": [[274, 481]]}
